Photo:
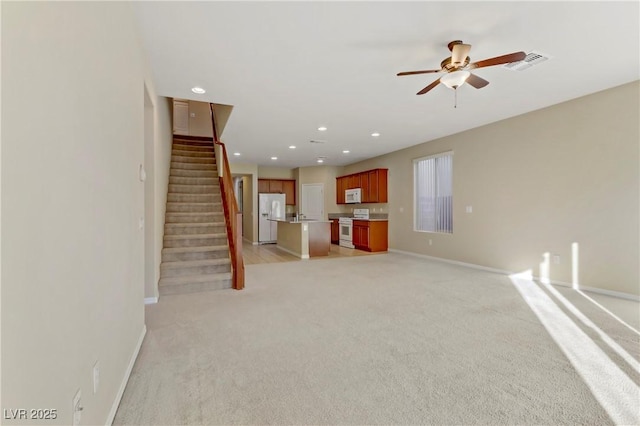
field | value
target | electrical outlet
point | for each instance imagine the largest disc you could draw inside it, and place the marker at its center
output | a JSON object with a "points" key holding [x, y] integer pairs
{"points": [[77, 408], [430, 241], [96, 376], [469, 209], [556, 259], [401, 209]]}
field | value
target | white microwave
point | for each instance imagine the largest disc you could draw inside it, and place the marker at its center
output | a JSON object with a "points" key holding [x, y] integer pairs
{"points": [[352, 196]]}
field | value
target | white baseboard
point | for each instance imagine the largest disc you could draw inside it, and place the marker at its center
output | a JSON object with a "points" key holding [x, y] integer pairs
{"points": [[617, 294], [611, 293], [150, 300], [125, 379], [301, 256], [454, 262], [253, 243]]}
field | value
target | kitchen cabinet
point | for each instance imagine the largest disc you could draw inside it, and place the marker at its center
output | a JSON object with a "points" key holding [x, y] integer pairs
{"points": [[279, 186], [263, 186], [371, 235], [275, 186], [289, 190], [353, 181], [335, 231], [372, 182], [341, 186]]}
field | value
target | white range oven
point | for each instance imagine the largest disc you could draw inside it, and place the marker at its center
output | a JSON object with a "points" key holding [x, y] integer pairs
{"points": [[346, 226]]}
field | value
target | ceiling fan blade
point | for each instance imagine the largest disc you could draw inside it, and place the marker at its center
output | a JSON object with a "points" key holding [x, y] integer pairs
{"points": [[459, 53], [477, 82], [429, 87], [417, 72], [504, 59]]}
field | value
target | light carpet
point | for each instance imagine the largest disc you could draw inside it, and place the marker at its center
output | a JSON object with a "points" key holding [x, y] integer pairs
{"points": [[386, 339]]}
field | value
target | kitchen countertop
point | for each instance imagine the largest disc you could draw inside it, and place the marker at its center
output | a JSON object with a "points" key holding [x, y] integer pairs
{"points": [[373, 217], [300, 221]]}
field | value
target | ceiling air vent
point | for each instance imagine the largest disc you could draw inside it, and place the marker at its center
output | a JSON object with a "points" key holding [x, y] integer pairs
{"points": [[316, 141], [532, 58]]}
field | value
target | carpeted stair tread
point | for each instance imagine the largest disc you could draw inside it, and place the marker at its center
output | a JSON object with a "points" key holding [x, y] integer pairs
{"points": [[201, 189], [187, 180], [181, 159], [195, 237], [170, 250], [191, 142], [191, 153], [220, 283], [194, 166], [178, 207], [194, 263], [193, 173]]}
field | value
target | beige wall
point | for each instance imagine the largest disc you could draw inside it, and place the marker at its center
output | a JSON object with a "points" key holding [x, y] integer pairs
{"points": [[200, 125], [537, 183], [163, 141], [274, 172], [73, 258]]}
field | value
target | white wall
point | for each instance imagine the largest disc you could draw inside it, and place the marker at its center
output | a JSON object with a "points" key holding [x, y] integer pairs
{"points": [[73, 255], [537, 183]]}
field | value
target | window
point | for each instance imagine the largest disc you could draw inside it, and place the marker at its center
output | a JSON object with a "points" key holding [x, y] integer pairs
{"points": [[433, 192]]}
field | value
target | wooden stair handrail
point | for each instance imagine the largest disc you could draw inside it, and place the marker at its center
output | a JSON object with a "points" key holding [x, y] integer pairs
{"points": [[233, 217]]}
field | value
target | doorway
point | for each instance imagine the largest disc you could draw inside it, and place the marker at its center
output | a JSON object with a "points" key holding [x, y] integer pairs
{"points": [[313, 201]]}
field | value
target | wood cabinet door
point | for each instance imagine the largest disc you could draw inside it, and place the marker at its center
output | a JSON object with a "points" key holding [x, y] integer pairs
{"points": [[381, 182], [364, 237], [335, 231], [275, 186], [360, 233], [263, 186], [353, 182], [340, 188], [356, 233], [372, 177], [365, 185], [289, 189]]}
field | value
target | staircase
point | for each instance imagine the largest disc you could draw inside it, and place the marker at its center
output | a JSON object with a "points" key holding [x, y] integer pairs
{"points": [[195, 256]]}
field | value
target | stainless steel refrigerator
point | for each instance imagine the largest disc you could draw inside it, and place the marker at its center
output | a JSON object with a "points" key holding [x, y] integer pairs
{"points": [[272, 206]]}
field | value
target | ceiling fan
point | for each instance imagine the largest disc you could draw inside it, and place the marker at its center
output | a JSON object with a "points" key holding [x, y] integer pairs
{"points": [[458, 66]]}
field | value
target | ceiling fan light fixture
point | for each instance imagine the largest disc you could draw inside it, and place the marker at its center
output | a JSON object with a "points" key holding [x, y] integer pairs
{"points": [[455, 79]]}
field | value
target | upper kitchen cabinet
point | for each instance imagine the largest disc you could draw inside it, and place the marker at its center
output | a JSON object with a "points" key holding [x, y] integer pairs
{"points": [[341, 186], [279, 186], [372, 182], [263, 186], [275, 186], [353, 181], [289, 189], [374, 186]]}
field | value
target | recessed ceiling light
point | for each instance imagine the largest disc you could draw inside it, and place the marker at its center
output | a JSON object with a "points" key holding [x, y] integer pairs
{"points": [[236, 154], [346, 151], [274, 158], [322, 128], [198, 90], [292, 147], [320, 160], [375, 135]]}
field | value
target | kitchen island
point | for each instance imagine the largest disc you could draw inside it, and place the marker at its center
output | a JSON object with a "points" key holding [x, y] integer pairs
{"points": [[305, 238]]}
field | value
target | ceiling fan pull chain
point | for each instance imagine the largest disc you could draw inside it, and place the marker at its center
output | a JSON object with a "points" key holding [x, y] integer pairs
{"points": [[455, 97]]}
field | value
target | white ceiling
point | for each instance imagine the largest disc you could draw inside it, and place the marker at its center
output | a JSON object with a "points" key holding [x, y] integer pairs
{"points": [[290, 67]]}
